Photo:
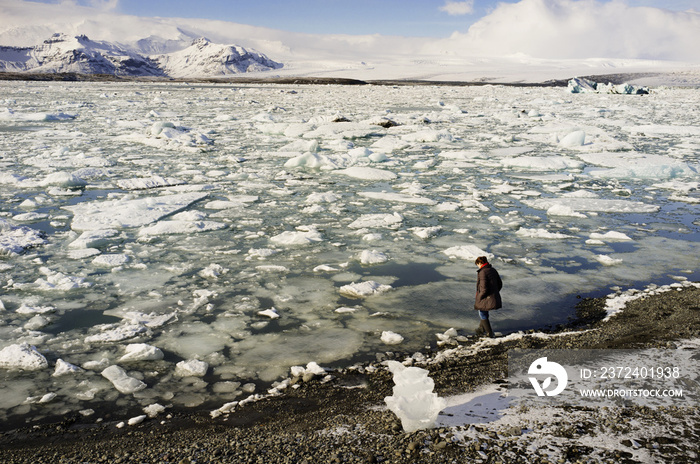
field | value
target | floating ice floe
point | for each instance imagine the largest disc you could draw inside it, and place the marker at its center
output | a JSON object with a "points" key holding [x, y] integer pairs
{"points": [[367, 173], [111, 260], [165, 134], [16, 239], [110, 333], [304, 235], [377, 220], [94, 238], [180, 227], [213, 271], [8, 114], [122, 381], [413, 400], [141, 352], [606, 260], [467, 252], [592, 205], [65, 368], [574, 139], [373, 257], [22, 357], [542, 163], [633, 165], [54, 281], [426, 232], [363, 289], [29, 309], [391, 338], [398, 197], [63, 179], [191, 368], [610, 236], [148, 183], [128, 212], [270, 312], [541, 233]]}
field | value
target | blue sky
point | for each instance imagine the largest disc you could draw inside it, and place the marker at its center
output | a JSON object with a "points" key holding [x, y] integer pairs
{"points": [[423, 18]]}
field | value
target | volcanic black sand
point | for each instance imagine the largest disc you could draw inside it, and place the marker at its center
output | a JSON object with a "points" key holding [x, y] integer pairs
{"points": [[345, 420]]}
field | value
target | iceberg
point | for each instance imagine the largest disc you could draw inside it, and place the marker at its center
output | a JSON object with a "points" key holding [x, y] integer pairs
{"points": [[581, 85]]}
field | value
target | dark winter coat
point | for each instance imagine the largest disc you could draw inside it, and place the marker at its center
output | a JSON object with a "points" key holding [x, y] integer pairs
{"points": [[488, 287]]}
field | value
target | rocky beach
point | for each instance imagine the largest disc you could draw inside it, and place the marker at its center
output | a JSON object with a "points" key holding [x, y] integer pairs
{"points": [[343, 418]]}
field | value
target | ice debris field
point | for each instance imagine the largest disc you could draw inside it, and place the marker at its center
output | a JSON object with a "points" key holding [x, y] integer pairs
{"points": [[174, 245]]}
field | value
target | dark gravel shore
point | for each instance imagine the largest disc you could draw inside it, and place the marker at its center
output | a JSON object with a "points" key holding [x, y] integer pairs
{"points": [[345, 419]]}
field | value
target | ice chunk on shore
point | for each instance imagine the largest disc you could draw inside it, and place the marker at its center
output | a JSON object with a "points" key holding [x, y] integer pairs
{"points": [[23, 357], [122, 381], [128, 212], [363, 289], [413, 400]]}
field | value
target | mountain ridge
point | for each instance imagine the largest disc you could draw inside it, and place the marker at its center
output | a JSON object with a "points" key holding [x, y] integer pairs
{"points": [[79, 54]]}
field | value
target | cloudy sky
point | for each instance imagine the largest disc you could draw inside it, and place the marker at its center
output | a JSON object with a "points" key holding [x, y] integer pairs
{"points": [[426, 18], [548, 29]]}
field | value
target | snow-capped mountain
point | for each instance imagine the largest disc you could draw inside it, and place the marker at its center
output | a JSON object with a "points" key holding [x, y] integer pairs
{"points": [[206, 58], [62, 53]]}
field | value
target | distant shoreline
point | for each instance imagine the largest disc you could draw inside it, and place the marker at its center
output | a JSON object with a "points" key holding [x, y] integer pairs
{"points": [[616, 79]]}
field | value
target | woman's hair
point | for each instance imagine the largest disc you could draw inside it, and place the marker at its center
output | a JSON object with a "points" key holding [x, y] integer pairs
{"points": [[481, 260]]}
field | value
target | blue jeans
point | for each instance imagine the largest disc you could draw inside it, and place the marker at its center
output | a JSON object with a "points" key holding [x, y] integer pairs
{"points": [[484, 315]]}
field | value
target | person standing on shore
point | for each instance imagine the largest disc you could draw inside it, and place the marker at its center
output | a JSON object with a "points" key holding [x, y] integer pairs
{"points": [[488, 296]]}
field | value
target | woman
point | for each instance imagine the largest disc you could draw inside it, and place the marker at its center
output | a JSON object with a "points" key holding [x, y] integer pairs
{"points": [[488, 297]]}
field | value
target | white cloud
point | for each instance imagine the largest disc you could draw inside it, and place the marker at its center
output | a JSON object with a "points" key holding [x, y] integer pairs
{"points": [[458, 8], [570, 29], [104, 5]]}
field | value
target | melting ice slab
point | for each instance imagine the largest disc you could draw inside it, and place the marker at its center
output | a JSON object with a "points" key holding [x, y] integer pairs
{"points": [[413, 401], [112, 214]]}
